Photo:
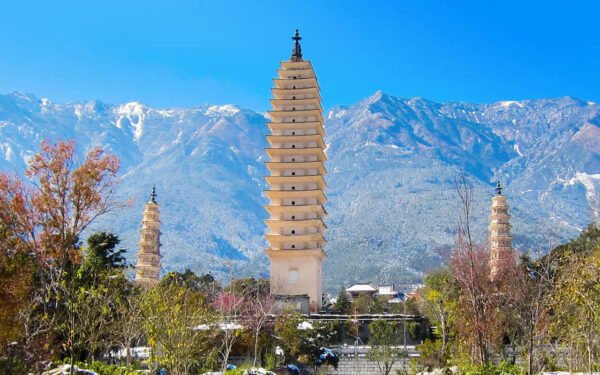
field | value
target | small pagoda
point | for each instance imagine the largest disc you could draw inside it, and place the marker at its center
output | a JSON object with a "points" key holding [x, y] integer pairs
{"points": [[500, 239], [148, 262]]}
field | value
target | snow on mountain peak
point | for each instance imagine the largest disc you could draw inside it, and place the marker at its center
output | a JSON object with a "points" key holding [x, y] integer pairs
{"points": [[508, 103], [221, 110], [134, 113]]}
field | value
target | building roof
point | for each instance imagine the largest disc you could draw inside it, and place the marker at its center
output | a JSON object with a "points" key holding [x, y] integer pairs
{"points": [[366, 287]]}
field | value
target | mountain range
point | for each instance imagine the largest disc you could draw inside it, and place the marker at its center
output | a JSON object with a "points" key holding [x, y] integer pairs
{"points": [[392, 163]]}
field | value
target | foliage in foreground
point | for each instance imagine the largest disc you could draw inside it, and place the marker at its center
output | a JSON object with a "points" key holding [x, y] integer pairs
{"points": [[385, 343], [307, 343], [503, 368], [541, 310]]}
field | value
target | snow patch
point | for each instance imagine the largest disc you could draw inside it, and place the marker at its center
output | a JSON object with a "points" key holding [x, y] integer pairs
{"points": [[305, 325], [8, 151], [508, 103], [225, 326], [78, 112], [178, 139], [587, 180], [135, 113], [517, 150], [222, 110], [45, 103], [336, 114], [166, 112]]}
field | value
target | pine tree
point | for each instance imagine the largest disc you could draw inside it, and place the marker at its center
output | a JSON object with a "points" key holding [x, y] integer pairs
{"points": [[343, 303]]}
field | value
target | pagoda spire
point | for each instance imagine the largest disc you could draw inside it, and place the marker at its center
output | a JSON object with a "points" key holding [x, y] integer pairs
{"points": [[499, 187], [148, 262], [297, 51]]}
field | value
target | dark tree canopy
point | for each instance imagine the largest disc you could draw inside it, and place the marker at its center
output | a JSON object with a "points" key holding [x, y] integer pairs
{"points": [[102, 253]]}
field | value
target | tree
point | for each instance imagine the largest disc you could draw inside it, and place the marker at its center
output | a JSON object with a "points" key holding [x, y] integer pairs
{"points": [[127, 325], [577, 304], [45, 213], [15, 286], [343, 304], [385, 345], [101, 254], [438, 302], [249, 287], [367, 304], [205, 284], [529, 286], [59, 200], [178, 324], [479, 322], [98, 285], [306, 341], [232, 308], [260, 308]]}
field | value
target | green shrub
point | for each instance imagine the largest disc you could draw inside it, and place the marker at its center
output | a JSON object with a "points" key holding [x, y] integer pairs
{"points": [[271, 361], [106, 369], [503, 368]]}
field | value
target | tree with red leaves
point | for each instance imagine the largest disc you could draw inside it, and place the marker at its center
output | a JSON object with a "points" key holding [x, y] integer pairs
{"points": [[479, 324], [45, 214], [232, 308]]}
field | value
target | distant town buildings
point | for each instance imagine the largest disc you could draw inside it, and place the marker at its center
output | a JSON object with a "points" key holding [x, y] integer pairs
{"points": [[500, 239], [148, 262], [296, 182]]}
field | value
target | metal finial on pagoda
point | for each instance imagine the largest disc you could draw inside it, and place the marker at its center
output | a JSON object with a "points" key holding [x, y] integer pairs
{"points": [[297, 51], [499, 188], [153, 195]]}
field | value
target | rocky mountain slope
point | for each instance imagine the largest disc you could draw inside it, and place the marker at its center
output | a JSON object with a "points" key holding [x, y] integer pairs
{"points": [[391, 167]]}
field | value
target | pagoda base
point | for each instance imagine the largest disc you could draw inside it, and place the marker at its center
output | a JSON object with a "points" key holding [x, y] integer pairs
{"points": [[293, 303], [297, 272]]}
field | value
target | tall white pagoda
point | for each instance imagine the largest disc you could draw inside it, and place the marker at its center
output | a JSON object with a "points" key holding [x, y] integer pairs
{"points": [[148, 262], [296, 181], [500, 239]]}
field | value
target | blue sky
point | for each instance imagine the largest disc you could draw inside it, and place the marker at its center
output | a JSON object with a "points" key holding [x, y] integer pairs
{"points": [[182, 53]]}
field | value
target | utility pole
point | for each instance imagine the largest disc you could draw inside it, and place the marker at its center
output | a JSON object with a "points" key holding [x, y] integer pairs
{"points": [[404, 323], [404, 329]]}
